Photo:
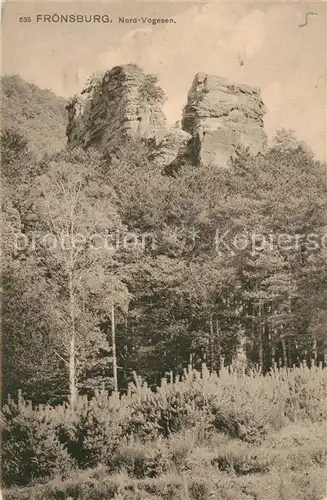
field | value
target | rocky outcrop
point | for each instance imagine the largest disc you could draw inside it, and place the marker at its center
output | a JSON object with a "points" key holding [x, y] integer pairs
{"points": [[123, 104], [126, 103], [173, 149], [221, 115]]}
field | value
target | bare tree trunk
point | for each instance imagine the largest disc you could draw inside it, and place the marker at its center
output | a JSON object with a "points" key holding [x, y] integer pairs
{"points": [[72, 346], [273, 354], [218, 363], [271, 347], [289, 353], [114, 356], [19, 397], [251, 311], [296, 353], [284, 351], [314, 351], [72, 372], [260, 350], [260, 340], [211, 344]]}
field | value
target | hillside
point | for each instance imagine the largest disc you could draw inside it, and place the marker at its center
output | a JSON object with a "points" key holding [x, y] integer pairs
{"points": [[38, 114]]}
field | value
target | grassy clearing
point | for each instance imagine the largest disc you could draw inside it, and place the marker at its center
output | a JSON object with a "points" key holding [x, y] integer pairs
{"points": [[289, 465]]}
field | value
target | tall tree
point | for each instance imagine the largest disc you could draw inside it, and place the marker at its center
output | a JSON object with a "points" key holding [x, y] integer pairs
{"points": [[75, 213]]}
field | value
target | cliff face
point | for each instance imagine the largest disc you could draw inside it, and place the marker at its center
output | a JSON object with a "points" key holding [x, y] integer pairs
{"points": [[220, 115], [119, 106]]}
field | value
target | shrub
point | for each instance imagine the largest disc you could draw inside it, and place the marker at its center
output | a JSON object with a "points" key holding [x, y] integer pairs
{"points": [[305, 394], [147, 432], [30, 448], [142, 459], [248, 408], [92, 430], [150, 91], [241, 459], [172, 408]]}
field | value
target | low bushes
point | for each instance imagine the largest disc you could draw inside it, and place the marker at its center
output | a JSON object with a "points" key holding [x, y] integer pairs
{"points": [[43, 442], [241, 459], [306, 392], [249, 408], [98, 428], [140, 460], [31, 449], [172, 408]]}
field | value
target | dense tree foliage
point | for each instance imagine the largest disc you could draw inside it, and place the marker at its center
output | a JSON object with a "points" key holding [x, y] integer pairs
{"points": [[210, 265], [37, 114]]}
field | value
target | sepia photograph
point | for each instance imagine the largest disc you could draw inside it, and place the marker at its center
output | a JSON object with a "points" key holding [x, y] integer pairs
{"points": [[163, 250]]}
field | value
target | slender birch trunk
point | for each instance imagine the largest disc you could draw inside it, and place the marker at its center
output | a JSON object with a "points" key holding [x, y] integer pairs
{"points": [[72, 345], [114, 356], [314, 351], [218, 345], [273, 350], [211, 343], [260, 340]]}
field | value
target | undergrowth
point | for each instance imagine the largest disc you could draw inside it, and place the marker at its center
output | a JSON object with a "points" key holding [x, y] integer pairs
{"points": [[202, 437]]}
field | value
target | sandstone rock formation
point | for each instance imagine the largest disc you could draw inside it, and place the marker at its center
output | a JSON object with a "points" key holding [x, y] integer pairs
{"points": [[220, 115], [120, 106], [174, 149], [126, 103]]}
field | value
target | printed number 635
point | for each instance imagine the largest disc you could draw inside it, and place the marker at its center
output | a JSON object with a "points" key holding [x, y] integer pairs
{"points": [[25, 19]]}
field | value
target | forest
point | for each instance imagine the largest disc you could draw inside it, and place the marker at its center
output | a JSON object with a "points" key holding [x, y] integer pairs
{"points": [[176, 308], [194, 268]]}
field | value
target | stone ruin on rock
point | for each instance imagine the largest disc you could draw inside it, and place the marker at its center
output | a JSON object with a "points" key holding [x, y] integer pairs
{"points": [[218, 116]]}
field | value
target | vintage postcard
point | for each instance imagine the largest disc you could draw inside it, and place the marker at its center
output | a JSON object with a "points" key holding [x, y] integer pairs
{"points": [[164, 250]]}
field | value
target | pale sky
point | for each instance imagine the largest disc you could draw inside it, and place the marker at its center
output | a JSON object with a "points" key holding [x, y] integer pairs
{"points": [[287, 62]]}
